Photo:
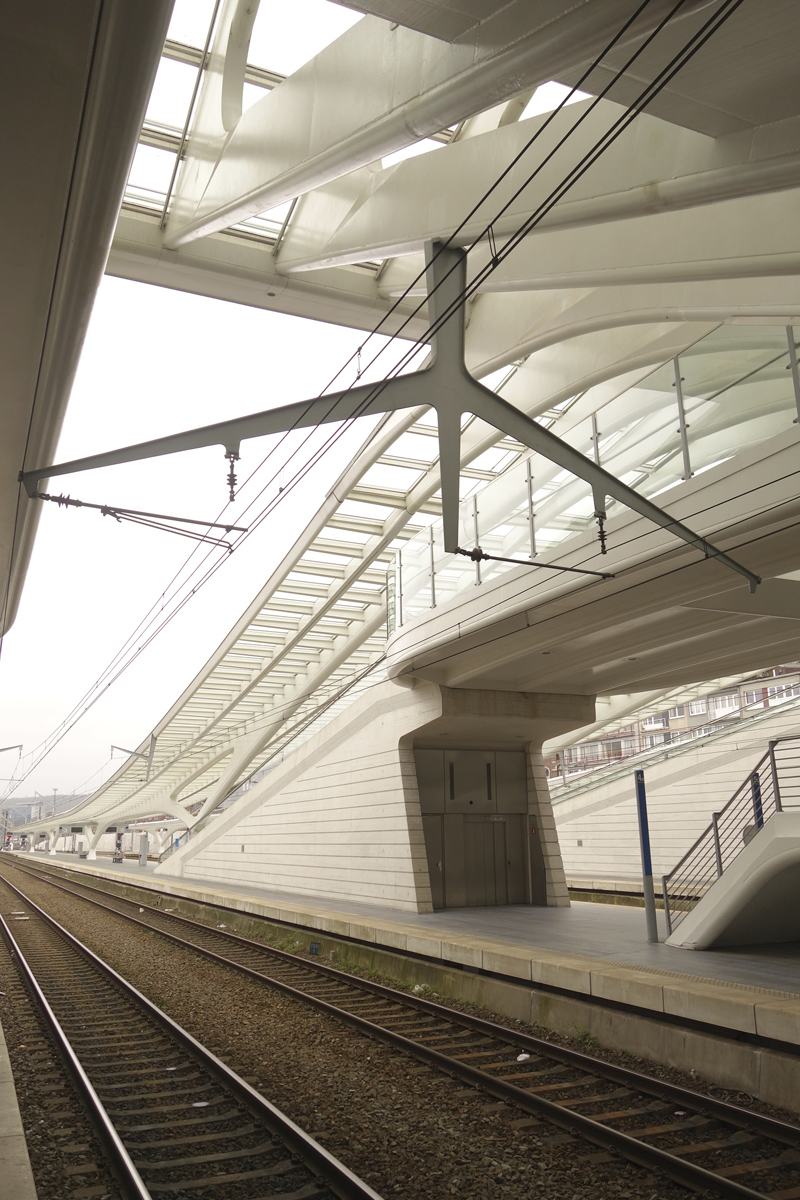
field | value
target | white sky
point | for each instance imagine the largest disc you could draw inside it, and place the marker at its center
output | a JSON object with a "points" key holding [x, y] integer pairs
{"points": [[155, 361]]}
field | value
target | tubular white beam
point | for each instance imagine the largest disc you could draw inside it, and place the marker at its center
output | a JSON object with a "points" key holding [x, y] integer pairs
{"points": [[404, 86], [377, 214]]}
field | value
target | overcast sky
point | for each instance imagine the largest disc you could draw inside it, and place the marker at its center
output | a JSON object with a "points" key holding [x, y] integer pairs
{"points": [[155, 361]]}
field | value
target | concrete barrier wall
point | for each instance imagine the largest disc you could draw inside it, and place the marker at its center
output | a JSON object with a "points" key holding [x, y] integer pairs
{"points": [[339, 819], [597, 829]]}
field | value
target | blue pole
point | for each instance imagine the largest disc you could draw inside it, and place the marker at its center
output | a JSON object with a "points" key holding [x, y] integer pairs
{"points": [[647, 864]]}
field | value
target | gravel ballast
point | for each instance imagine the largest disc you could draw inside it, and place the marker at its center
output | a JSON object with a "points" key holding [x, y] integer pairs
{"points": [[406, 1130], [58, 1132]]}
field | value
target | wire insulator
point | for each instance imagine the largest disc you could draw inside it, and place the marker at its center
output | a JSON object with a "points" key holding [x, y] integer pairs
{"points": [[232, 475], [601, 531]]}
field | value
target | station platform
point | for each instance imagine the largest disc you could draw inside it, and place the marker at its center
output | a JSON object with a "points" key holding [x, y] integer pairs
{"points": [[595, 951], [15, 1166]]}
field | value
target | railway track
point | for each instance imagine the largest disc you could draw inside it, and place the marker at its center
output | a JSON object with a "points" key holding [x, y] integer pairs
{"points": [[172, 1119], [698, 1141]]}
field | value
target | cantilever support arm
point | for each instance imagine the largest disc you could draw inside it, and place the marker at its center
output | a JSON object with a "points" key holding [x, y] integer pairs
{"points": [[406, 391], [446, 385], [498, 412]]}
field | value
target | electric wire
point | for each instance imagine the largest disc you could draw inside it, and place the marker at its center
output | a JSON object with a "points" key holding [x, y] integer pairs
{"points": [[646, 96], [666, 574], [413, 351], [699, 39], [526, 590]]}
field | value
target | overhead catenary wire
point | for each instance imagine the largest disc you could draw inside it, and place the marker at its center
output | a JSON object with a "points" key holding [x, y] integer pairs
{"points": [[646, 96], [308, 718], [148, 519], [437, 659]]}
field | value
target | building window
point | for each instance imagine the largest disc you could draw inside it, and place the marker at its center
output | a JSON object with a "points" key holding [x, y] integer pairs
{"points": [[696, 707], [659, 721], [725, 703], [674, 713], [656, 739]]}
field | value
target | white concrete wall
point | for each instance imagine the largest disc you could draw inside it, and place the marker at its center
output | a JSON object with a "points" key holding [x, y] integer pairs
{"points": [[757, 898], [540, 809], [682, 793], [340, 818]]}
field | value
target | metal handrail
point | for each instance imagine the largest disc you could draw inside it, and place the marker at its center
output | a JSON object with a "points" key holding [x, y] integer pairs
{"points": [[614, 768], [753, 803]]}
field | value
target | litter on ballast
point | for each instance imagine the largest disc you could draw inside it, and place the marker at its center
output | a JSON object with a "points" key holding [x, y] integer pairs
{"points": [[523, 1057]]}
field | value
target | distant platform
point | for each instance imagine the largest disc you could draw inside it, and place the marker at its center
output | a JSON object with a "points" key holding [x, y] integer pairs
{"points": [[588, 950]]}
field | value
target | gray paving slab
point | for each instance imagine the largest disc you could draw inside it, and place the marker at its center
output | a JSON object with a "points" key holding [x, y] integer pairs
{"points": [[15, 1167], [612, 932]]}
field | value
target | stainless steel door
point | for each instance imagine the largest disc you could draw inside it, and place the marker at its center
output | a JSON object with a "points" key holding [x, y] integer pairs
{"points": [[434, 849]]}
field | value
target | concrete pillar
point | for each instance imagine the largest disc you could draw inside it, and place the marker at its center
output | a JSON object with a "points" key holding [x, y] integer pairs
{"points": [[144, 847], [540, 809], [94, 839], [52, 841], [487, 719]]}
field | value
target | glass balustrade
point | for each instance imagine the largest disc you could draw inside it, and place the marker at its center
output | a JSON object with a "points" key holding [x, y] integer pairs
{"points": [[732, 389]]}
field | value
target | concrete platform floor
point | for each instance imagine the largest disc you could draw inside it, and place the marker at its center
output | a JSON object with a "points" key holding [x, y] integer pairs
{"points": [[15, 1167], [607, 932]]}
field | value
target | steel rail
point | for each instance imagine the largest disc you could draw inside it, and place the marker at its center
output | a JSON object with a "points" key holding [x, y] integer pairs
{"points": [[343, 1182], [123, 1166], [641, 1153], [769, 1126]]}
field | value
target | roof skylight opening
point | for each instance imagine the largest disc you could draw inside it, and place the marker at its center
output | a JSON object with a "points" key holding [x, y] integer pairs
{"points": [[151, 172], [423, 147], [547, 97], [190, 20], [171, 94], [251, 94], [286, 36], [495, 378]]}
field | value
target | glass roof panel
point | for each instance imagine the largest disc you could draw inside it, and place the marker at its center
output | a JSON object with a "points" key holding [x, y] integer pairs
{"points": [[251, 94], [423, 147], [151, 171], [285, 36], [172, 93], [190, 19]]}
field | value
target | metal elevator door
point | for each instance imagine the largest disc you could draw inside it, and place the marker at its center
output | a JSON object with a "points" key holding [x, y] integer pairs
{"points": [[474, 818], [484, 862]]}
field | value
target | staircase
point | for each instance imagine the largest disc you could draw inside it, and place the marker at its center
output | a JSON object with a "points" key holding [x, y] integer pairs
{"points": [[772, 786]]}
